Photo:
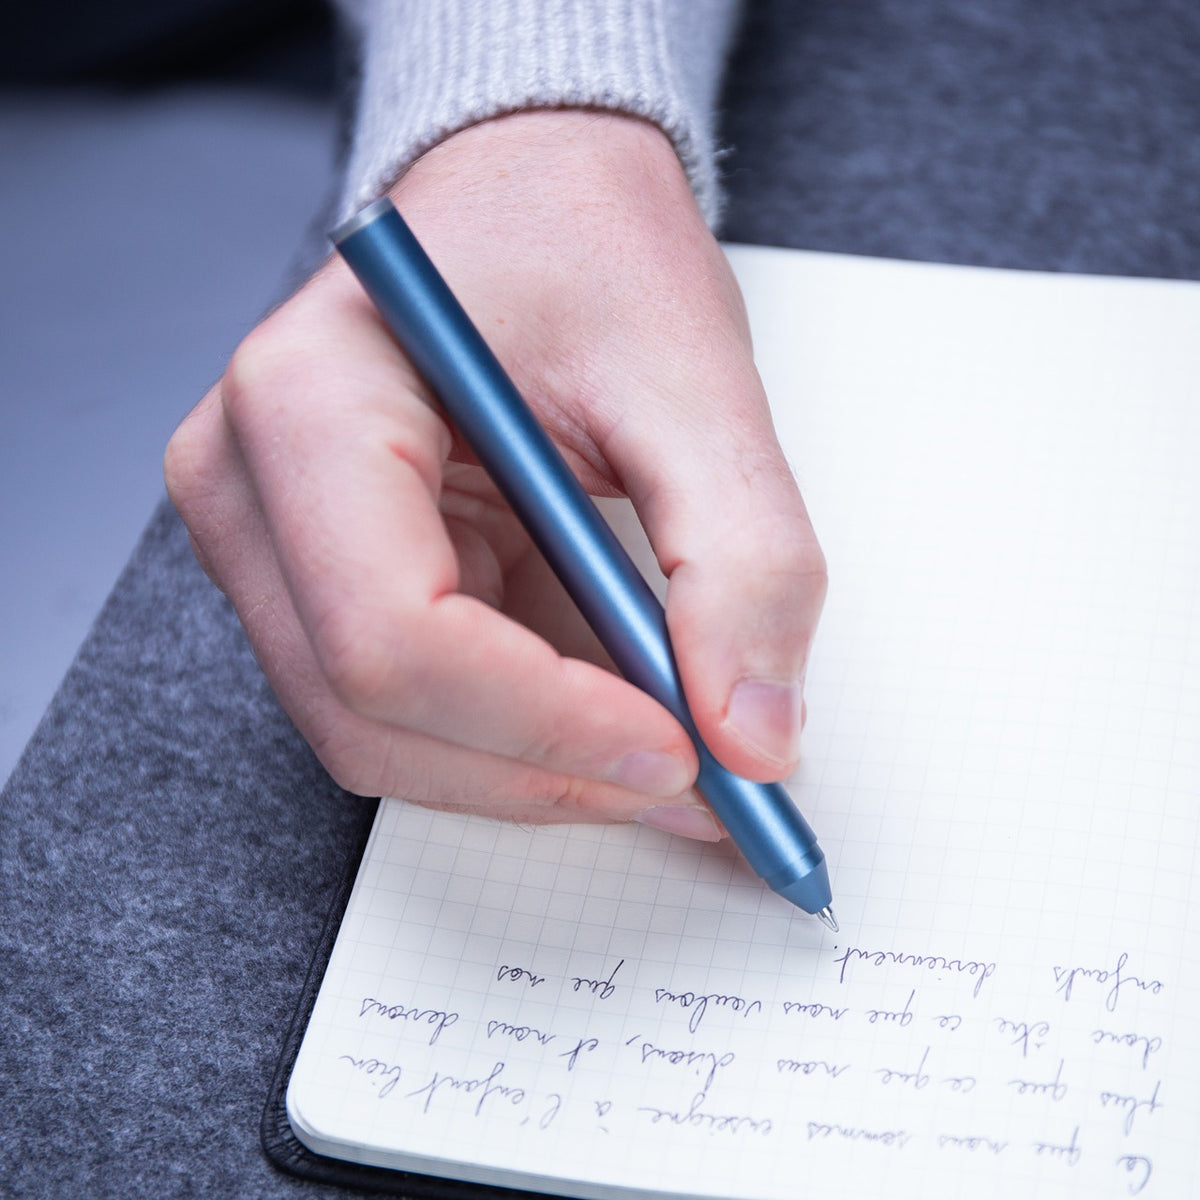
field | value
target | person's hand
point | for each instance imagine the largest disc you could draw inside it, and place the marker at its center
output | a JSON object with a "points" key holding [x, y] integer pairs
{"points": [[398, 609]]}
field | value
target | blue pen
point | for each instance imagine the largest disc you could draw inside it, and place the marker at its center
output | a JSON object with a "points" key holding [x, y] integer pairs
{"points": [[454, 360]]}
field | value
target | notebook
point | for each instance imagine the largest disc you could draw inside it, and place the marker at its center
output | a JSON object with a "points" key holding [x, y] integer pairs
{"points": [[1002, 762]]}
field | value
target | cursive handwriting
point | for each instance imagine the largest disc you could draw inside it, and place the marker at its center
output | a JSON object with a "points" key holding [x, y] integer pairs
{"points": [[697, 1060], [581, 1044], [375, 1067], [516, 974], [1138, 1166], [401, 1012], [518, 1032], [1055, 1088], [730, 1061], [903, 1018], [698, 1004], [1149, 1044], [960, 1083], [882, 1137], [816, 1066], [1022, 1033], [552, 1111], [929, 962], [918, 1079], [697, 1118], [815, 1011], [486, 1087], [1067, 977], [603, 988], [1069, 1153], [1131, 1104], [972, 1142]]}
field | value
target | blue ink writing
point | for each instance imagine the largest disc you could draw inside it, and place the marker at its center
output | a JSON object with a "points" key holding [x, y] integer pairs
{"points": [[1149, 1044], [899, 1138], [1067, 977], [1022, 1033], [903, 1018], [701, 1062], [1069, 1153], [401, 1012], [375, 1067], [817, 1066], [603, 988], [516, 974], [518, 1032], [696, 1118], [918, 1079], [1055, 1089], [979, 971], [487, 1087], [1139, 1168], [1131, 1105], [572, 1055], [698, 1004], [957, 1142]]}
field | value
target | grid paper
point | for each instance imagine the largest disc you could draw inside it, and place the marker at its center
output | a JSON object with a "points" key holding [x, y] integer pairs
{"points": [[1003, 765]]}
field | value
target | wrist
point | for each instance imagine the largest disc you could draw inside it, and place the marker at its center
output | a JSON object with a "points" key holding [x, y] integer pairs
{"points": [[589, 169]]}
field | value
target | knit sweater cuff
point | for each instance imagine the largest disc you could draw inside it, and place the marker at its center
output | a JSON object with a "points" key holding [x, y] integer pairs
{"points": [[433, 67]]}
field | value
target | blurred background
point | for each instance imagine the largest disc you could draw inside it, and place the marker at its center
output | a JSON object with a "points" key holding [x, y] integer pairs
{"points": [[166, 168], [162, 166]]}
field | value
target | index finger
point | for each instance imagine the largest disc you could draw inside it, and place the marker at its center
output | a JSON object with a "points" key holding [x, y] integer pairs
{"points": [[347, 459]]}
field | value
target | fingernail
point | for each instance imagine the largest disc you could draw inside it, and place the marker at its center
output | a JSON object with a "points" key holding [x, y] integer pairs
{"points": [[685, 820], [768, 718], [651, 772]]}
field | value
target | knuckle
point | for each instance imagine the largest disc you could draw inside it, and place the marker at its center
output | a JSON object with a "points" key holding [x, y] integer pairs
{"points": [[542, 748], [520, 792], [346, 760], [551, 796], [361, 757], [251, 372], [181, 467], [372, 663], [190, 457], [805, 562], [786, 549], [353, 658], [268, 368]]}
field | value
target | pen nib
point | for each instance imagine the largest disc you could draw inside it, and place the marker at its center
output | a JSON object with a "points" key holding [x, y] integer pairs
{"points": [[826, 917]]}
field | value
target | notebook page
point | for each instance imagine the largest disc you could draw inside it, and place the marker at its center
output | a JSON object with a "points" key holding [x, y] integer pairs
{"points": [[1002, 763]]}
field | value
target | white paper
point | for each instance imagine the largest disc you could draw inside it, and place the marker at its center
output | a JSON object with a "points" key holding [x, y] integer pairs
{"points": [[1002, 763]]}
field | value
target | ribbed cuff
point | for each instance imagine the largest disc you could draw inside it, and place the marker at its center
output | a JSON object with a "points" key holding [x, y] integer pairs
{"points": [[433, 67]]}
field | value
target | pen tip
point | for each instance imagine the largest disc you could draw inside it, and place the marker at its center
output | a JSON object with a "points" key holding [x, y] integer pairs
{"points": [[826, 917]]}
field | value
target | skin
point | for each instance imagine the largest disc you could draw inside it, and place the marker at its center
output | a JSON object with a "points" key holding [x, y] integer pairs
{"points": [[410, 631]]}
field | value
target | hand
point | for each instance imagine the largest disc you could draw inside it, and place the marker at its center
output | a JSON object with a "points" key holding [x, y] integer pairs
{"points": [[414, 636]]}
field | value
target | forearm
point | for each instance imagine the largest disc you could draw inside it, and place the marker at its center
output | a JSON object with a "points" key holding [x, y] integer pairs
{"points": [[432, 67]]}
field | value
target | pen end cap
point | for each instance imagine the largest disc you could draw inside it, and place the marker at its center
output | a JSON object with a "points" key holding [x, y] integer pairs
{"points": [[360, 219]]}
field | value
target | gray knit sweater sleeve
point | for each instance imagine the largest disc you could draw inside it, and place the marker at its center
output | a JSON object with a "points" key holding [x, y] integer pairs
{"points": [[432, 67]]}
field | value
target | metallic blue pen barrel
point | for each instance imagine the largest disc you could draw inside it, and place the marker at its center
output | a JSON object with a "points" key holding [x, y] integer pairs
{"points": [[597, 572]]}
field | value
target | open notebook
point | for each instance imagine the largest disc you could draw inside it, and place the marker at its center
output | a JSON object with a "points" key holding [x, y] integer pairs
{"points": [[1002, 763]]}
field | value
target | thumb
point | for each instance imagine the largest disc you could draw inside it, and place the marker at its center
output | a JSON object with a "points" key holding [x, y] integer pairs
{"points": [[746, 576]]}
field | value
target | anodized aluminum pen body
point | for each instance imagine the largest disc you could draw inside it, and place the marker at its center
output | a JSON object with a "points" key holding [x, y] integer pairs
{"points": [[476, 394]]}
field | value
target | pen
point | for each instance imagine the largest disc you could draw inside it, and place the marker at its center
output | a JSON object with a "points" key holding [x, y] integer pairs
{"points": [[596, 570]]}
